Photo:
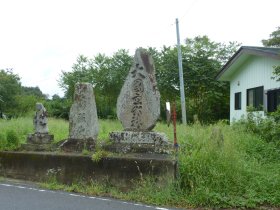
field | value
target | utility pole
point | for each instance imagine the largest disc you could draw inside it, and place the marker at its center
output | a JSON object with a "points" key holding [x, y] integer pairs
{"points": [[182, 89]]}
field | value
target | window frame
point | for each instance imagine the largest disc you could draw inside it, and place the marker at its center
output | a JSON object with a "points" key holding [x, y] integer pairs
{"points": [[237, 101], [272, 99], [258, 101]]}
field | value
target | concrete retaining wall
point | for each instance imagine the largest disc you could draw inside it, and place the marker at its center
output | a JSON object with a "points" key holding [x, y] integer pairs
{"points": [[69, 168]]}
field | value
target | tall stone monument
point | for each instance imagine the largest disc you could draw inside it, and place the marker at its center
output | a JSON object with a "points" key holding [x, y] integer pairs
{"points": [[138, 108], [83, 121], [41, 139]]}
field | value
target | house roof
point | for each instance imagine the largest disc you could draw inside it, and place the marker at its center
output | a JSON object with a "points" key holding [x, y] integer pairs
{"points": [[242, 55]]}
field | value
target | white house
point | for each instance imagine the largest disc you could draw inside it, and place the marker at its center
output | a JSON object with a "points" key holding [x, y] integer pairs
{"points": [[250, 72]]}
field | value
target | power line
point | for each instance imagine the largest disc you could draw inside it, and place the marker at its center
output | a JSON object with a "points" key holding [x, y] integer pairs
{"points": [[187, 11]]}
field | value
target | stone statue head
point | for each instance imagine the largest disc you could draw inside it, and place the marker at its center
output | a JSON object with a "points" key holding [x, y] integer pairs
{"points": [[39, 106]]}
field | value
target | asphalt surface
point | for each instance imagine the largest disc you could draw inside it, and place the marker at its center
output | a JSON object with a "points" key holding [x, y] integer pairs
{"points": [[19, 196]]}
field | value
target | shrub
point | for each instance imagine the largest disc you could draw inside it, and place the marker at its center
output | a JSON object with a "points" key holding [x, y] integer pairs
{"points": [[12, 139], [267, 128]]}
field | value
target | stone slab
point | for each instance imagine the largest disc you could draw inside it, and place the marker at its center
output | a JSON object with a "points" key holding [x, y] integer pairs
{"points": [[83, 121]]}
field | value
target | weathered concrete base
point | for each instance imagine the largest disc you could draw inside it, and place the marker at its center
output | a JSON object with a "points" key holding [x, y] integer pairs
{"points": [[39, 138], [39, 142], [38, 147], [78, 145], [139, 142], [70, 168]]}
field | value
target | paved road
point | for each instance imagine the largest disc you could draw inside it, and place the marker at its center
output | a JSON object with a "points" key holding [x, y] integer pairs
{"points": [[16, 196]]}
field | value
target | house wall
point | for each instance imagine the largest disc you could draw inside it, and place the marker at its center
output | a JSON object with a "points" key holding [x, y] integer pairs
{"points": [[255, 72]]}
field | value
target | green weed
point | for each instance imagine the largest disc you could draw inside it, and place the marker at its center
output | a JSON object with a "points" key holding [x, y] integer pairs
{"points": [[99, 154], [12, 139]]}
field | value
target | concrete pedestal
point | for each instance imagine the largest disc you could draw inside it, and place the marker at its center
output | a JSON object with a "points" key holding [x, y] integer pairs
{"points": [[139, 142], [39, 142]]}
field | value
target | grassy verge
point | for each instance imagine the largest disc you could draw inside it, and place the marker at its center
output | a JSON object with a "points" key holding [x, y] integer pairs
{"points": [[220, 166]]}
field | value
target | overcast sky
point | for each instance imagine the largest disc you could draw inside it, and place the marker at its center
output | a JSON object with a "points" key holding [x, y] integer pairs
{"points": [[39, 38]]}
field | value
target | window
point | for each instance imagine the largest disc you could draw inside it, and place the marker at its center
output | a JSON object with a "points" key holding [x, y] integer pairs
{"points": [[237, 101], [273, 100], [255, 98]]}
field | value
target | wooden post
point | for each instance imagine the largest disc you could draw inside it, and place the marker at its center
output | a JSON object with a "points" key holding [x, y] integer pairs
{"points": [[174, 117]]}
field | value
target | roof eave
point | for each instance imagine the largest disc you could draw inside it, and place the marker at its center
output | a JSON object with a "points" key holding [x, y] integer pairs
{"points": [[245, 50]]}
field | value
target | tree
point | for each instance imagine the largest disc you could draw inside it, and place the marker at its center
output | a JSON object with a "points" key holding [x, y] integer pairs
{"points": [[10, 87], [202, 60], [34, 91], [206, 97], [274, 39], [105, 73]]}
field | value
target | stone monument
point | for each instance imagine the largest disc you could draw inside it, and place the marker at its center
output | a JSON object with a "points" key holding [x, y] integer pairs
{"points": [[138, 109], [41, 139], [83, 121]]}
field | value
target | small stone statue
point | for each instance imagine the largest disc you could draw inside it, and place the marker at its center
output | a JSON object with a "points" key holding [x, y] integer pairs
{"points": [[40, 119], [40, 140]]}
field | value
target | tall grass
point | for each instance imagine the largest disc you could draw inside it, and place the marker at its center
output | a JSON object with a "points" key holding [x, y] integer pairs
{"points": [[220, 165], [24, 126], [243, 170], [19, 127]]}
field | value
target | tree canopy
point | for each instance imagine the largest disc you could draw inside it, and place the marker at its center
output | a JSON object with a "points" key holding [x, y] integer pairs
{"points": [[9, 88], [273, 40], [16, 99]]}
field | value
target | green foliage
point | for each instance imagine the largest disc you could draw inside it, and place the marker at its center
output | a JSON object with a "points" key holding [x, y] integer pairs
{"points": [[85, 152], [229, 176], [59, 128], [58, 107], [276, 73], [12, 139], [34, 91], [25, 104], [24, 126], [99, 154], [9, 88], [3, 142], [13, 132], [16, 100], [206, 97], [107, 126], [274, 39], [105, 73], [267, 128]]}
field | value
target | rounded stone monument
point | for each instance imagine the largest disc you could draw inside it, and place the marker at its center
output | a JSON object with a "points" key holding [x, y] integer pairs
{"points": [[138, 105], [138, 109]]}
